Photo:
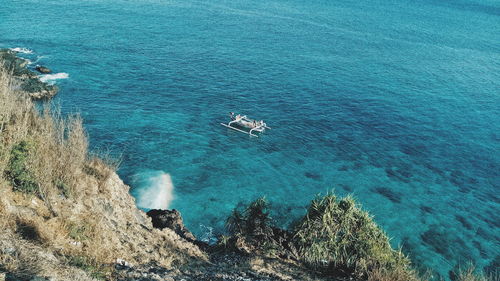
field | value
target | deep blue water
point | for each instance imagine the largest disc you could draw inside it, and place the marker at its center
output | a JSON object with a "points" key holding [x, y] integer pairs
{"points": [[397, 102]]}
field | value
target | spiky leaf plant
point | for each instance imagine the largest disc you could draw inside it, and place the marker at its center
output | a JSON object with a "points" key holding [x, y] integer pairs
{"points": [[252, 222], [336, 235]]}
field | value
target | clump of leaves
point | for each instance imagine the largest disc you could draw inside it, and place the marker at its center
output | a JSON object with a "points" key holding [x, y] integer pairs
{"points": [[254, 222], [17, 171], [252, 230], [337, 236]]}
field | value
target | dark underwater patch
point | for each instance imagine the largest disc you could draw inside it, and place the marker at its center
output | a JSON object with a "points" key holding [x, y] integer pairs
{"points": [[493, 267], [272, 148], [346, 187], [491, 221], [399, 174], [478, 246], [485, 235], [313, 176], [464, 222], [299, 161], [464, 183], [437, 240], [414, 150], [426, 209], [394, 197], [358, 165], [343, 168]]}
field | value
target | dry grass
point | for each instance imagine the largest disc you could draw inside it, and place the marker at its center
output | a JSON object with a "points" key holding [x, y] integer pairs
{"points": [[57, 147], [63, 209]]}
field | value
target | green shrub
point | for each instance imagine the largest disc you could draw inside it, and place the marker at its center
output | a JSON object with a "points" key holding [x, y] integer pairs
{"points": [[17, 171], [336, 235], [253, 222]]}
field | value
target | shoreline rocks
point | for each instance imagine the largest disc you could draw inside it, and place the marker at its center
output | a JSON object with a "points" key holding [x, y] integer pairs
{"points": [[170, 219], [43, 69], [28, 81]]}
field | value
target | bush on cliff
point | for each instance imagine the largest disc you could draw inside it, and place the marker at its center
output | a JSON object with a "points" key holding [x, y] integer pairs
{"points": [[337, 236], [17, 171], [253, 222], [251, 229]]}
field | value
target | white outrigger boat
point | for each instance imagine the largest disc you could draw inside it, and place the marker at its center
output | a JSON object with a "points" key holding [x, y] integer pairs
{"points": [[243, 124]]}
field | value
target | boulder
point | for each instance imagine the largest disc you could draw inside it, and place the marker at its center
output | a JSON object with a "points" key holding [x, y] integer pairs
{"points": [[43, 69], [170, 219]]}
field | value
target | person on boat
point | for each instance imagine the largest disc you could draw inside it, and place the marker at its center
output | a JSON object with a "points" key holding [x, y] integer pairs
{"points": [[254, 124], [231, 114]]}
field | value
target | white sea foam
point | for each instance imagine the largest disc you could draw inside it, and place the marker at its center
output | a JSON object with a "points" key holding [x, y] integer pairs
{"points": [[52, 77], [157, 192], [208, 236], [22, 50], [38, 58]]}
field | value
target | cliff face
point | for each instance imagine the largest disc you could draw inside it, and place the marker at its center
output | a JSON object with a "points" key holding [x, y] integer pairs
{"points": [[76, 237]]}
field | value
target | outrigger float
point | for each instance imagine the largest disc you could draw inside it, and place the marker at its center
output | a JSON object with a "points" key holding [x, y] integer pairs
{"points": [[243, 124]]}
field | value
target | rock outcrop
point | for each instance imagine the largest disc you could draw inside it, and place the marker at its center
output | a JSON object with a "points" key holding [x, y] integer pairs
{"points": [[43, 69], [28, 81], [170, 219]]}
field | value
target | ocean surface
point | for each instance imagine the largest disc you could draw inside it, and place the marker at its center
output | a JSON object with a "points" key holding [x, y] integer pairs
{"points": [[396, 102]]}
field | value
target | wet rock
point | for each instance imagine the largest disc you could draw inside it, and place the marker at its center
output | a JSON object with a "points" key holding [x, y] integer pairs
{"points": [[12, 62], [27, 80], [43, 69], [170, 219]]}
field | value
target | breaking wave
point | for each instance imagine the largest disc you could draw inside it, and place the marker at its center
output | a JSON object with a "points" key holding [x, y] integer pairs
{"points": [[153, 190], [22, 50], [52, 77]]}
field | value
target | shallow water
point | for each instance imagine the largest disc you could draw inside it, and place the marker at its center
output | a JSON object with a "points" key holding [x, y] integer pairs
{"points": [[397, 102]]}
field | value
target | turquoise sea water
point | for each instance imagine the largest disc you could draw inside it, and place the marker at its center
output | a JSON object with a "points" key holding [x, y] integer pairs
{"points": [[397, 102]]}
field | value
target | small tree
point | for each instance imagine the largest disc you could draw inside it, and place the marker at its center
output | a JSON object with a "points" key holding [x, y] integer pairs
{"points": [[253, 222]]}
